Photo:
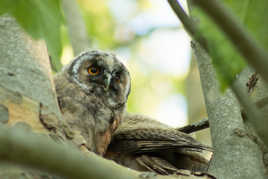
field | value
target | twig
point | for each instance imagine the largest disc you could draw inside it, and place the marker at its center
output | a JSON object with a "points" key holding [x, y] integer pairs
{"points": [[254, 54], [200, 125]]}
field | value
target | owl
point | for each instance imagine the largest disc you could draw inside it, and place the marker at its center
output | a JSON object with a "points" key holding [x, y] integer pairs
{"points": [[92, 92], [144, 144]]}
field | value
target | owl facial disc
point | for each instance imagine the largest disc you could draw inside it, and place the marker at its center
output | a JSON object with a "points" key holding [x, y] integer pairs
{"points": [[102, 74]]}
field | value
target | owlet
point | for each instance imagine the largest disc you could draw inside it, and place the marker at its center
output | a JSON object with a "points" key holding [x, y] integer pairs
{"points": [[92, 93]]}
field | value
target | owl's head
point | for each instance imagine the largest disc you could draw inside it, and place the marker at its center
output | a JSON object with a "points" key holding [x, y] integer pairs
{"points": [[102, 74]]}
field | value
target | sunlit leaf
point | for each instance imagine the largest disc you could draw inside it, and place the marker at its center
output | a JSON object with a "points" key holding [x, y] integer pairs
{"points": [[41, 19]]}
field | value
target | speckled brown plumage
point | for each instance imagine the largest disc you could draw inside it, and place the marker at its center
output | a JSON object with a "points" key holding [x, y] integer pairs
{"points": [[92, 92], [144, 144]]}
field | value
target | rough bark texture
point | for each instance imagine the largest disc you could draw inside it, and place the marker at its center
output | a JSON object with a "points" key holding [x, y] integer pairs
{"points": [[236, 155], [26, 90], [25, 68], [76, 26]]}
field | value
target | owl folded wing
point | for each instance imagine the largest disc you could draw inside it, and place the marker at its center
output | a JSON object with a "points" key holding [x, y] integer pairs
{"points": [[164, 151]]}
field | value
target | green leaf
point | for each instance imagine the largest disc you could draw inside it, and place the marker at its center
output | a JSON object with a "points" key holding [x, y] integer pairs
{"points": [[227, 61], [254, 17], [41, 19]]}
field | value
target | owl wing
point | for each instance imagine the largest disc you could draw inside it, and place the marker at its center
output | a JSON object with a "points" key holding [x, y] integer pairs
{"points": [[162, 166], [145, 144], [164, 151], [159, 165], [144, 140]]}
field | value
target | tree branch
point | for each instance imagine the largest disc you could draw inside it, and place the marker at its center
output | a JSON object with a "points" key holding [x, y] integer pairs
{"points": [[248, 47], [42, 153], [229, 135]]}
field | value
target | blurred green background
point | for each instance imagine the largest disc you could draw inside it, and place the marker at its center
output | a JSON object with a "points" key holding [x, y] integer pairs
{"points": [[151, 41]]}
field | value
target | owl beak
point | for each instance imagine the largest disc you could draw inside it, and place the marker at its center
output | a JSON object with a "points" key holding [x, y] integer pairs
{"points": [[107, 82]]}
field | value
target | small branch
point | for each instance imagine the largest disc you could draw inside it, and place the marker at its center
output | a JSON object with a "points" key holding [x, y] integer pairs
{"points": [[200, 125], [254, 54], [188, 23], [76, 26]]}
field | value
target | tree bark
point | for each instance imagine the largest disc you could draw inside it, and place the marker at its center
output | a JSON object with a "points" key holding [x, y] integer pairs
{"points": [[26, 87], [25, 75], [236, 155]]}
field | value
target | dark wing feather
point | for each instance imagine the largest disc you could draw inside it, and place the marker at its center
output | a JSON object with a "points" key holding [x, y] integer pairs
{"points": [[148, 145], [153, 140], [158, 165]]}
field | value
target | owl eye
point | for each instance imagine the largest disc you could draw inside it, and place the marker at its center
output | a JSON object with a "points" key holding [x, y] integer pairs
{"points": [[93, 70]]}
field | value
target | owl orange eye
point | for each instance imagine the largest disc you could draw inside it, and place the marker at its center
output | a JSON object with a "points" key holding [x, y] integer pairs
{"points": [[93, 70]]}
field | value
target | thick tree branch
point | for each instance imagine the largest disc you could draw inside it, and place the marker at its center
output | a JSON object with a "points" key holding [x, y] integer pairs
{"points": [[76, 26], [42, 153], [254, 54], [229, 134]]}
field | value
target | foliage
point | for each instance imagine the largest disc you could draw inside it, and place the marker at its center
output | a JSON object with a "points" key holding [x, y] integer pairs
{"points": [[99, 22], [41, 19], [227, 61]]}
